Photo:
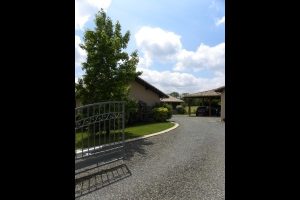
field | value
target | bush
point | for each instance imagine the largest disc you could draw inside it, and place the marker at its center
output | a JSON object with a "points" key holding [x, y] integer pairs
{"points": [[160, 114], [170, 110], [180, 109]]}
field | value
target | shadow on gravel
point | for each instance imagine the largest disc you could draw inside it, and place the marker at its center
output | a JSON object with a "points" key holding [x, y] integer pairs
{"points": [[134, 147], [97, 172], [98, 177]]}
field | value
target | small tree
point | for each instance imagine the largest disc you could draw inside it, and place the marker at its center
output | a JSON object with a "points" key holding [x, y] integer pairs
{"points": [[108, 69]]}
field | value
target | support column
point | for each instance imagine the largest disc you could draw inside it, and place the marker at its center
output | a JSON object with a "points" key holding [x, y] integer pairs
{"points": [[209, 103], [189, 104]]}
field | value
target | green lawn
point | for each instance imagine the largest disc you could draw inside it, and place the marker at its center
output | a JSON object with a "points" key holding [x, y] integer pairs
{"points": [[145, 129], [82, 138], [193, 109]]}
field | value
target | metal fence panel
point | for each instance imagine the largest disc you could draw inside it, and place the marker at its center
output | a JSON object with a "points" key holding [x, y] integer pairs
{"points": [[99, 131]]}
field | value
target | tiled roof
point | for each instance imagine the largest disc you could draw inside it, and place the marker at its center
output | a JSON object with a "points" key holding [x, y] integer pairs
{"points": [[220, 89], [208, 93], [171, 99], [150, 87]]}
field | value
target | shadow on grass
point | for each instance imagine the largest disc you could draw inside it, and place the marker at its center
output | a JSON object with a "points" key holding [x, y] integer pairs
{"points": [[102, 139], [127, 153], [86, 139]]}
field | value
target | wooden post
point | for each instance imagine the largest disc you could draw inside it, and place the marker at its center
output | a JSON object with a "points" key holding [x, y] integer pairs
{"points": [[189, 104], [209, 103]]}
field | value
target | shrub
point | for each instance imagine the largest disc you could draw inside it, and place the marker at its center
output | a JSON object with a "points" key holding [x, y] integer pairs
{"points": [[170, 110], [180, 109], [160, 114]]}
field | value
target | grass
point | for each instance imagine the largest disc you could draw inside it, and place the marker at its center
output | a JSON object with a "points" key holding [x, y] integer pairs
{"points": [[193, 109], [146, 129], [138, 130]]}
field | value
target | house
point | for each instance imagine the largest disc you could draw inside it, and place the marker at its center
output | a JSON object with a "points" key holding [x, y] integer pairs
{"points": [[173, 101], [142, 91], [146, 96], [222, 91]]}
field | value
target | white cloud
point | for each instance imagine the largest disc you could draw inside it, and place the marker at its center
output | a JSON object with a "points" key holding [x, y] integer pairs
{"points": [[81, 16], [168, 81], [85, 8], [220, 21], [165, 46], [144, 61], [156, 43], [80, 54], [205, 57]]}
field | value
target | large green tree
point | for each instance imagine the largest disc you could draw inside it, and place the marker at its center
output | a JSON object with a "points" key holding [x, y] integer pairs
{"points": [[108, 68]]}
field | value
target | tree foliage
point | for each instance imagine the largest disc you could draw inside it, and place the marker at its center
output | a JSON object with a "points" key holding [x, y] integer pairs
{"points": [[174, 94], [108, 68]]}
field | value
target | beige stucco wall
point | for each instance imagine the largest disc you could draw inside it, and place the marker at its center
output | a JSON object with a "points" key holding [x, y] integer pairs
{"points": [[223, 105], [139, 93]]}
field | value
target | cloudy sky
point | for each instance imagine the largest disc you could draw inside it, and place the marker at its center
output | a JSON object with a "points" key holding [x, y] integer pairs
{"points": [[181, 44]]}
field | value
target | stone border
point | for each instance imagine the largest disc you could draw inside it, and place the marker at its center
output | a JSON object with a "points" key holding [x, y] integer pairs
{"points": [[153, 134]]}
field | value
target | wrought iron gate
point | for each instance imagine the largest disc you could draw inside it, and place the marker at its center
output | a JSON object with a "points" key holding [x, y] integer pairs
{"points": [[99, 131]]}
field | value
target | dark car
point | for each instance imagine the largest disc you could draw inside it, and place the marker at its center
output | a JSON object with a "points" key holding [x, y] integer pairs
{"points": [[204, 111]]}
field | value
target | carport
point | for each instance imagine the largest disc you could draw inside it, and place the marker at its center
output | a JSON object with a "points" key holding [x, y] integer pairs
{"points": [[205, 95]]}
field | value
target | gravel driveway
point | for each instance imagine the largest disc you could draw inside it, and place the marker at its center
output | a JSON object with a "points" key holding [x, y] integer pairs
{"points": [[185, 163]]}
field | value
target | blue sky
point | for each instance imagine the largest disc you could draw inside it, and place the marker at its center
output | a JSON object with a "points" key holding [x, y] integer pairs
{"points": [[181, 44]]}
